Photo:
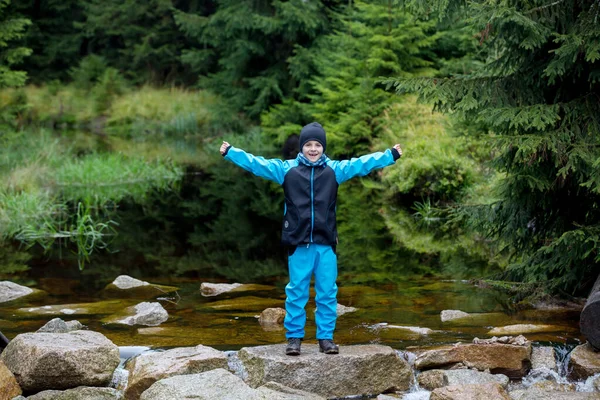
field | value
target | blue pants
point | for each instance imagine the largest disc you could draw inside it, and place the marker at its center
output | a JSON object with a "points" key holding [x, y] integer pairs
{"points": [[306, 260]]}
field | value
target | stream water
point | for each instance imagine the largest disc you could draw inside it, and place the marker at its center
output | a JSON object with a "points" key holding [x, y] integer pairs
{"points": [[400, 315]]}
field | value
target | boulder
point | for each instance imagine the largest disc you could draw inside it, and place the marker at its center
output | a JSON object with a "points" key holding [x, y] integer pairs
{"points": [[584, 361], [148, 314], [274, 390], [215, 289], [487, 391], [9, 387], [450, 315], [11, 291], [125, 285], [211, 385], [357, 370], [436, 378], [79, 393], [147, 368], [511, 360], [537, 394], [589, 320], [524, 328], [543, 357], [43, 361], [57, 325], [271, 319]]}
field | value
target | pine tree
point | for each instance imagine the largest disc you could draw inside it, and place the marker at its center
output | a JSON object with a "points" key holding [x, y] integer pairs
{"points": [[55, 42], [242, 48], [538, 96], [141, 40], [12, 29]]}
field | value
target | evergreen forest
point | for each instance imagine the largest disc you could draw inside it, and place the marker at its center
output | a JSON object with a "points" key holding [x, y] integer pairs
{"points": [[112, 113]]}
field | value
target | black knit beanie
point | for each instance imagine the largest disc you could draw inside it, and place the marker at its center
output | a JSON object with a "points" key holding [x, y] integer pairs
{"points": [[313, 131]]}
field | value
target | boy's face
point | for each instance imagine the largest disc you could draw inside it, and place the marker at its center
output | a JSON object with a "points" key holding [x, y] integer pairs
{"points": [[312, 150]]}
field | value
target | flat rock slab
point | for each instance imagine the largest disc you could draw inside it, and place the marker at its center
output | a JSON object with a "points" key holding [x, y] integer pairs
{"points": [[42, 361], [357, 370], [98, 308], [437, 378], [208, 289], [216, 384], [245, 303], [526, 328], [80, 393], [536, 394], [511, 360], [488, 391], [145, 369]]}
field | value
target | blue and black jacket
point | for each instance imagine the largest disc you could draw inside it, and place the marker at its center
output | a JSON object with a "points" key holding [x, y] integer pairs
{"points": [[310, 190]]}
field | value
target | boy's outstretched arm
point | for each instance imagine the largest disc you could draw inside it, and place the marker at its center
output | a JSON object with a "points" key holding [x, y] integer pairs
{"points": [[273, 169], [361, 166]]}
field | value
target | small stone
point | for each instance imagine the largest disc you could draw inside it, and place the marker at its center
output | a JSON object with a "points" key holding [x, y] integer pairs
{"points": [[272, 316], [57, 325]]}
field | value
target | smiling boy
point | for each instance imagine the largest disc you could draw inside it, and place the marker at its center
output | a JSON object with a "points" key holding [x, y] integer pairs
{"points": [[310, 183]]}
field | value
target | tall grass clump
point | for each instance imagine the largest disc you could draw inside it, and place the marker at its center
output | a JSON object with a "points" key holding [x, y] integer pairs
{"points": [[100, 179]]}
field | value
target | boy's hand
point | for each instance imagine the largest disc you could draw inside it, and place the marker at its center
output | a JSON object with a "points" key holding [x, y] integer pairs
{"points": [[398, 149], [224, 147]]}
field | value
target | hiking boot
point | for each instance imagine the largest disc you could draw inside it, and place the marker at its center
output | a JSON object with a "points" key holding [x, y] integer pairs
{"points": [[293, 347], [328, 347]]}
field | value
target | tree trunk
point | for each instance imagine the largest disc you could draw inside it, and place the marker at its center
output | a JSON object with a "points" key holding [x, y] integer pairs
{"points": [[590, 316]]}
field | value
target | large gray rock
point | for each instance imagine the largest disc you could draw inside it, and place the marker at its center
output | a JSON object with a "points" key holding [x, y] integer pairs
{"points": [[217, 384], [148, 314], [215, 289], [43, 361], [127, 286], [488, 391], [536, 394], [436, 378], [357, 370], [11, 291], [145, 369], [511, 360], [80, 393], [584, 361], [9, 387], [57, 325], [274, 390]]}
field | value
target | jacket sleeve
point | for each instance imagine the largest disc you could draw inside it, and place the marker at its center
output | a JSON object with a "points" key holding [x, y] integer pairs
{"points": [[361, 166], [273, 169]]}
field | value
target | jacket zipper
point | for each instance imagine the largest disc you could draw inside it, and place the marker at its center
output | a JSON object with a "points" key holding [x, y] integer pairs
{"points": [[312, 203]]}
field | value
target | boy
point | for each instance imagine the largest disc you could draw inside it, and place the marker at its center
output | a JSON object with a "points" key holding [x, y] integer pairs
{"points": [[310, 184]]}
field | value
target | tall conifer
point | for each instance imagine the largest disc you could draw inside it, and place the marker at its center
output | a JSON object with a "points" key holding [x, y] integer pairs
{"points": [[12, 29], [538, 95]]}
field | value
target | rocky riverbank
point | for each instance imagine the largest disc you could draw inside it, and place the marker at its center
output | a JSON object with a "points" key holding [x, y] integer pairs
{"points": [[66, 360], [59, 363]]}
